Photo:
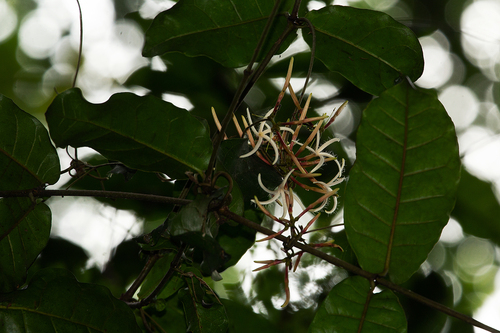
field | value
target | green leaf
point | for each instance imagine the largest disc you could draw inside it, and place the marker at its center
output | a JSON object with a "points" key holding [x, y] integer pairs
{"points": [[342, 310], [144, 133], [226, 30], [55, 302], [24, 232], [27, 157], [202, 316], [403, 184], [368, 48], [477, 208]]}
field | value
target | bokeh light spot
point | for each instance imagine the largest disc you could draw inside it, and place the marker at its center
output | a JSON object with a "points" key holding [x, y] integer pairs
{"points": [[461, 103], [8, 17], [38, 36]]}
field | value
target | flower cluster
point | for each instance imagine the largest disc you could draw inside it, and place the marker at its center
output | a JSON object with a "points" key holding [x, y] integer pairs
{"points": [[299, 163]]}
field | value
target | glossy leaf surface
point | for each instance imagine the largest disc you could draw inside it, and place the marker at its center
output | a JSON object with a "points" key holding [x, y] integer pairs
{"points": [[24, 232], [342, 310], [226, 31], [403, 184], [27, 157], [55, 302], [368, 48], [144, 133]]}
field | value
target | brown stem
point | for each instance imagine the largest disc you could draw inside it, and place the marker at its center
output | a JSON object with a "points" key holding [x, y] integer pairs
{"points": [[129, 294], [173, 266], [358, 271], [90, 193], [367, 305]]}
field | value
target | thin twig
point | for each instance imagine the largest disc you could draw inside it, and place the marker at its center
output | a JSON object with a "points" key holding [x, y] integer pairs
{"points": [[91, 193], [142, 275], [313, 53], [80, 46], [151, 297]]}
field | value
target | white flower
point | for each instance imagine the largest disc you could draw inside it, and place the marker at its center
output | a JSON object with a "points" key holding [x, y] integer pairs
{"points": [[278, 193], [264, 132], [319, 151]]}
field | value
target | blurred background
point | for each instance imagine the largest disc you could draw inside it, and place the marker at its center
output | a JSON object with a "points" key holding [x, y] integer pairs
{"points": [[39, 42]]}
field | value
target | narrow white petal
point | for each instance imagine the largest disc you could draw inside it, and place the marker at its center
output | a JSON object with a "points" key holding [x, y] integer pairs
{"points": [[254, 150]]}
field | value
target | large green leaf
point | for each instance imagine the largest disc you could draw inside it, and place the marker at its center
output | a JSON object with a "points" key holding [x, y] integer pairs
{"points": [[226, 30], [55, 302], [368, 48], [27, 158], [342, 310], [403, 184], [477, 208], [24, 232], [144, 133]]}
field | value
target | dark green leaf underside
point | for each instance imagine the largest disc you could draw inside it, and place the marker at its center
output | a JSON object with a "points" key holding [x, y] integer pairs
{"points": [[402, 187], [342, 310], [368, 48], [144, 133], [226, 30], [27, 157], [24, 232]]}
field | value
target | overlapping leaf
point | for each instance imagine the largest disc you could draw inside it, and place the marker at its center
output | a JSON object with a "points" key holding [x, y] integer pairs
{"points": [[226, 30], [402, 187], [55, 302], [477, 208], [24, 232], [368, 48], [144, 133], [342, 310], [27, 158]]}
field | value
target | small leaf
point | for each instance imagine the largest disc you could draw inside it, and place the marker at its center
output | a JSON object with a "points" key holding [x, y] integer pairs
{"points": [[403, 184], [226, 30], [27, 157], [477, 208], [368, 48], [24, 232], [144, 133], [55, 302], [342, 310]]}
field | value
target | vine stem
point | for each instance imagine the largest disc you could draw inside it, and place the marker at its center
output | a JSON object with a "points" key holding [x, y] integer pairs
{"points": [[80, 46], [98, 194], [358, 271]]}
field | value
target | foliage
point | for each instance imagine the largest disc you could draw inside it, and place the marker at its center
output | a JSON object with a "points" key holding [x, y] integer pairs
{"points": [[213, 187]]}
